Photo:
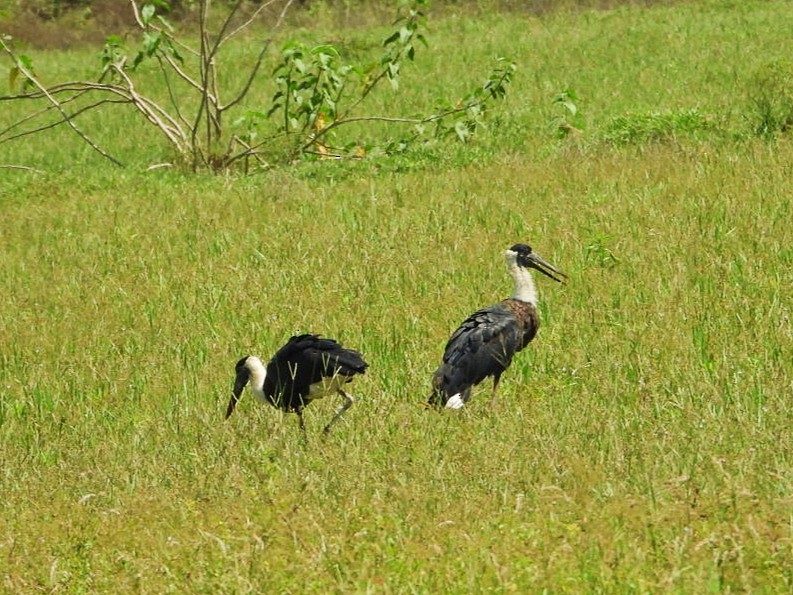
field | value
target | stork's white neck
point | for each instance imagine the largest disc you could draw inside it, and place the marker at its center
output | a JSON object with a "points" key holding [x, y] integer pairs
{"points": [[525, 291], [258, 374], [524, 285]]}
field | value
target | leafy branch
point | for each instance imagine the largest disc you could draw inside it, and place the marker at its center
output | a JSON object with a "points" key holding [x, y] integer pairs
{"points": [[316, 93]]}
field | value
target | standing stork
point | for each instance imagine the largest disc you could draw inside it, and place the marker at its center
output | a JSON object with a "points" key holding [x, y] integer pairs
{"points": [[308, 367], [488, 339]]}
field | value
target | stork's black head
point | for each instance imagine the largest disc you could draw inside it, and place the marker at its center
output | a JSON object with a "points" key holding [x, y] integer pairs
{"points": [[526, 258], [243, 374], [521, 249], [241, 366]]}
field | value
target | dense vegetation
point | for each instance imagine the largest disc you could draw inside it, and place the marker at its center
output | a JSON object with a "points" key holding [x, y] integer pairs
{"points": [[642, 443]]}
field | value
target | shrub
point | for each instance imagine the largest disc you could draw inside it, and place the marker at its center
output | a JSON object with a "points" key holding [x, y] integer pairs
{"points": [[770, 109], [656, 126]]}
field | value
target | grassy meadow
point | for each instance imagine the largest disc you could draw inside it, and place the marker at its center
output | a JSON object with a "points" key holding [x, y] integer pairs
{"points": [[643, 443]]}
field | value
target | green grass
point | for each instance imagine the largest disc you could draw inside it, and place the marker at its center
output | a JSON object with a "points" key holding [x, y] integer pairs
{"points": [[642, 443]]}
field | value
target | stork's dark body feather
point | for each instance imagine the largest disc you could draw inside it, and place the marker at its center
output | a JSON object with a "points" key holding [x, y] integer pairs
{"points": [[308, 367], [306, 361], [484, 346], [486, 342]]}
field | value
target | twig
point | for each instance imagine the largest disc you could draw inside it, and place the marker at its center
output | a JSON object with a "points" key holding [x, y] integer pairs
{"points": [[22, 167], [143, 26], [54, 101], [241, 95], [36, 114], [158, 166], [171, 94], [202, 107], [246, 23], [433, 118], [56, 123], [249, 152], [333, 155], [154, 113], [219, 37]]}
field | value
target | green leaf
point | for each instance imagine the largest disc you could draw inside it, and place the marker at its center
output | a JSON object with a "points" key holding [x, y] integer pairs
{"points": [[391, 39], [171, 49], [292, 51], [165, 23], [151, 42], [138, 59], [324, 60], [326, 49], [462, 132], [146, 13], [13, 75], [25, 61]]}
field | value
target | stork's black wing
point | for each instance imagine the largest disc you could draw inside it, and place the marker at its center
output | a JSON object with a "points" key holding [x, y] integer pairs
{"points": [[483, 346], [328, 358], [306, 360]]}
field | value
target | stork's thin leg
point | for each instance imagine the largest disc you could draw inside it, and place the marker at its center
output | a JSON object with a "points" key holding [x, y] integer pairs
{"points": [[494, 398], [300, 419], [348, 401]]}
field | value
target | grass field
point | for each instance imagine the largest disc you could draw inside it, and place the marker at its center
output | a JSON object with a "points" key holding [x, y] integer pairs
{"points": [[643, 443]]}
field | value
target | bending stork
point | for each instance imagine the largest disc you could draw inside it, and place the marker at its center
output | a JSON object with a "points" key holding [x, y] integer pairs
{"points": [[306, 368], [487, 340]]}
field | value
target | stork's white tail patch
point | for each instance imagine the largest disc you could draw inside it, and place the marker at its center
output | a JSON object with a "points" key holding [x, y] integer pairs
{"points": [[455, 402]]}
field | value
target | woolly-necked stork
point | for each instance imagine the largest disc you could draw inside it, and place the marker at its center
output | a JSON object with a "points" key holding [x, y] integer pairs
{"points": [[308, 367], [488, 339]]}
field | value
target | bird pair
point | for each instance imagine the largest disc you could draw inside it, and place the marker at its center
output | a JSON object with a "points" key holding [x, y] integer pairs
{"points": [[310, 367]]}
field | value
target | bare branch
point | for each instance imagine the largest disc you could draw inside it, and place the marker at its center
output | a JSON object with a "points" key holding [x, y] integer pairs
{"points": [[136, 12], [253, 149], [155, 114], [57, 122], [364, 94], [218, 40], [143, 26], [158, 166], [259, 60], [333, 155], [22, 167], [248, 152], [171, 94], [169, 59], [182, 74], [429, 119], [31, 95], [313, 138], [202, 108], [72, 125], [33, 115], [246, 24]]}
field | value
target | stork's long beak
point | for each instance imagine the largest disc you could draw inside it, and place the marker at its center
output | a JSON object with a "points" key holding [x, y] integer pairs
{"points": [[239, 385], [547, 268]]}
